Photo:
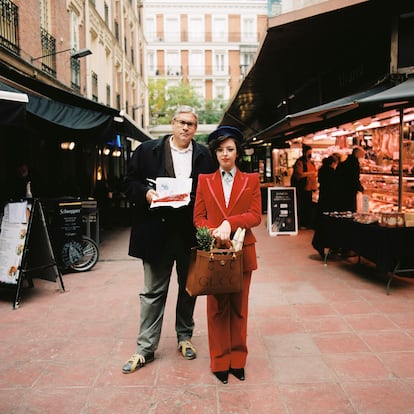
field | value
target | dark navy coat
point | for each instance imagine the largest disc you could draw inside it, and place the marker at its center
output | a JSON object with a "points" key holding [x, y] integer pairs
{"points": [[151, 226]]}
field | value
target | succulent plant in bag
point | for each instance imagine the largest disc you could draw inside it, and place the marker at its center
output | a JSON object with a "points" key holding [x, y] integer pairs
{"points": [[204, 239]]}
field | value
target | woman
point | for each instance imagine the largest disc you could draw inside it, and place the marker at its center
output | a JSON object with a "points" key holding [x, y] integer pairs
{"points": [[225, 200]]}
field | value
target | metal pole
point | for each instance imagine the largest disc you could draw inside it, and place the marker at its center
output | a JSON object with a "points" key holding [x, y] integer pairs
{"points": [[400, 160]]}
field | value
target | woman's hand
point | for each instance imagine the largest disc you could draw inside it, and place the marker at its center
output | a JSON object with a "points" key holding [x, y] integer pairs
{"points": [[222, 232]]}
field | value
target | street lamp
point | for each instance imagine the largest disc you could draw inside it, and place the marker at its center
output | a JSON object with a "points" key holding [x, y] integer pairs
{"points": [[74, 55]]}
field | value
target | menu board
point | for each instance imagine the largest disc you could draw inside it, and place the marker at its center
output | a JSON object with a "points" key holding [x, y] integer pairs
{"points": [[12, 240], [282, 211]]}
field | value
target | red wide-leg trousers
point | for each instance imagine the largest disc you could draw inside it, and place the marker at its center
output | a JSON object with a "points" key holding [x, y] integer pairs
{"points": [[227, 327]]}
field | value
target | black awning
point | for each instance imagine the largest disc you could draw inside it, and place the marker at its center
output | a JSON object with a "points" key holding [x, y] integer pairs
{"points": [[320, 116], [12, 108], [67, 112], [60, 114], [401, 94]]}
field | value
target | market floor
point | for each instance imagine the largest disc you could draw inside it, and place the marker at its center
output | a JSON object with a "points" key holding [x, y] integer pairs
{"points": [[322, 339]]}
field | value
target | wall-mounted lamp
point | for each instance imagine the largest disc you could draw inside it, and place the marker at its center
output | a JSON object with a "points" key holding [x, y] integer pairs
{"points": [[67, 145], [106, 151], [76, 54]]}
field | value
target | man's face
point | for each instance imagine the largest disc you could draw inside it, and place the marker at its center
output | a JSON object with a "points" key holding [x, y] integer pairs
{"points": [[184, 127]]}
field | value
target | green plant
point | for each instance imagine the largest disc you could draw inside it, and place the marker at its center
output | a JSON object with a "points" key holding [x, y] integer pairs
{"points": [[204, 239]]}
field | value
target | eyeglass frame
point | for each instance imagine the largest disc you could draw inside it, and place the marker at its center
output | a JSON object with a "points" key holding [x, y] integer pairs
{"points": [[189, 124]]}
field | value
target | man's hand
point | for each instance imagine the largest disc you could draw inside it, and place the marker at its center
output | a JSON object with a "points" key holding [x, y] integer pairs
{"points": [[150, 195]]}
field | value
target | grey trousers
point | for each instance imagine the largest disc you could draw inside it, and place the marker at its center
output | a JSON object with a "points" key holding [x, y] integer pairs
{"points": [[154, 295]]}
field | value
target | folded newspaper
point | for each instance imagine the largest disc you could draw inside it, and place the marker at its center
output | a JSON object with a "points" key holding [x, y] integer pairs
{"points": [[172, 192], [238, 239]]}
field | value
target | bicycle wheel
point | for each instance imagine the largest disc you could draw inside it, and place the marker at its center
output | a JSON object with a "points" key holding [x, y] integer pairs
{"points": [[90, 256]]}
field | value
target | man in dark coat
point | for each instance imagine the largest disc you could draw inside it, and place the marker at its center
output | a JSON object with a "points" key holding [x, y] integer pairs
{"points": [[162, 236], [348, 179]]}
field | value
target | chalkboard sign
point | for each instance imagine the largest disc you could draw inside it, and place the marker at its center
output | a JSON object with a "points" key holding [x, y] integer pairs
{"points": [[281, 211], [25, 249]]}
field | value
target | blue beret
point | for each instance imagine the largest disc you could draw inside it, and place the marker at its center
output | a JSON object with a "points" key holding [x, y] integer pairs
{"points": [[226, 131]]}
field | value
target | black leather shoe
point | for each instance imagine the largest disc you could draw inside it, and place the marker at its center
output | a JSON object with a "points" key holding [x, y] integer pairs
{"points": [[223, 376], [238, 373]]}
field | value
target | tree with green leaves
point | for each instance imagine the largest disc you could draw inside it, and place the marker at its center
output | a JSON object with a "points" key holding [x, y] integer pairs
{"points": [[163, 101]]}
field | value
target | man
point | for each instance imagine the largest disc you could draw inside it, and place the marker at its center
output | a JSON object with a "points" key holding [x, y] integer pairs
{"points": [[348, 180], [163, 236], [304, 178]]}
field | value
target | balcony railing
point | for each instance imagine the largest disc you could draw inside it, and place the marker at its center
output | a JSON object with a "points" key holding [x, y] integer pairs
{"points": [[9, 26], [49, 52]]}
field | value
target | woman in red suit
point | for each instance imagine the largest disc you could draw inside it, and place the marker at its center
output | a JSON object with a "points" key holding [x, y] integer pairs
{"points": [[225, 200]]}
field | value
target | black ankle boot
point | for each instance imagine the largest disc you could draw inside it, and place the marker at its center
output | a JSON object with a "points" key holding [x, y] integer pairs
{"points": [[238, 373], [223, 376]]}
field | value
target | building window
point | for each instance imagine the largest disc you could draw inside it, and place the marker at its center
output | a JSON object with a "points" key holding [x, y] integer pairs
{"points": [[172, 29], [198, 86], [195, 29], [116, 30], [106, 13], [118, 101], [246, 59], [151, 64], [219, 63], [196, 63], [108, 95], [49, 52], [94, 86], [248, 30], [150, 31], [219, 29], [220, 91], [172, 62], [9, 26], [132, 56], [75, 74]]}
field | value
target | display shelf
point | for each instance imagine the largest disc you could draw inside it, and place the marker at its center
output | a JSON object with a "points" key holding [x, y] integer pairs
{"points": [[383, 188]]}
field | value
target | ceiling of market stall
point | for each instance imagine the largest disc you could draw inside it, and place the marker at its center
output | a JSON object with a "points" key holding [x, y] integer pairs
{"points": [[313, 57]]}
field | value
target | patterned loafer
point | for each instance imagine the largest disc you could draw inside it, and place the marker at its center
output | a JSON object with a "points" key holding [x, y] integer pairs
{"points": [[187, 349], [136, 362]]}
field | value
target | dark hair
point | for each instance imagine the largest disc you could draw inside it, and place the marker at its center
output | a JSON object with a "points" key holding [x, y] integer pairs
{"points": [[215, 143], [305, 148], [328, 161]]}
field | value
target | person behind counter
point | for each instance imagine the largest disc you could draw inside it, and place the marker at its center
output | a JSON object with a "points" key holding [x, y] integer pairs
{"points": [[304, 178], [348, 180], [327, 184], [225, 200]]}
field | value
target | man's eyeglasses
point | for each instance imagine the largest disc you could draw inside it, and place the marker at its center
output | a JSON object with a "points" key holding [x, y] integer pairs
{"points": [[183, 123]]}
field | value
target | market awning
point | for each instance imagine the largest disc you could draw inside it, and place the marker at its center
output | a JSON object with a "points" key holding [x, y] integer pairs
{"points": [[399, 95], [314, 118], [12, 107], [338, 112]]}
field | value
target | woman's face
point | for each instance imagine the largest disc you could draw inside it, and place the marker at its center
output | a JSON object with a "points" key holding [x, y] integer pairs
{"points": [[226, 154]]}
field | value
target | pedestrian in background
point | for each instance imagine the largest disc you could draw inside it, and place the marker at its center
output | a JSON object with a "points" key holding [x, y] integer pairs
{"points": [[163, 236], [304, 179], [228, 199]]}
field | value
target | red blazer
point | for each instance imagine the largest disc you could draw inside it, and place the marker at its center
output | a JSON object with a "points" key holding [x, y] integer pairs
{"points": [[244, 209]]}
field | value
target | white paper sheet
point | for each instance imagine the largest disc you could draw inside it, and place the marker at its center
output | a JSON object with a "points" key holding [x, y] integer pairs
{"points": [[177, 189]]}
